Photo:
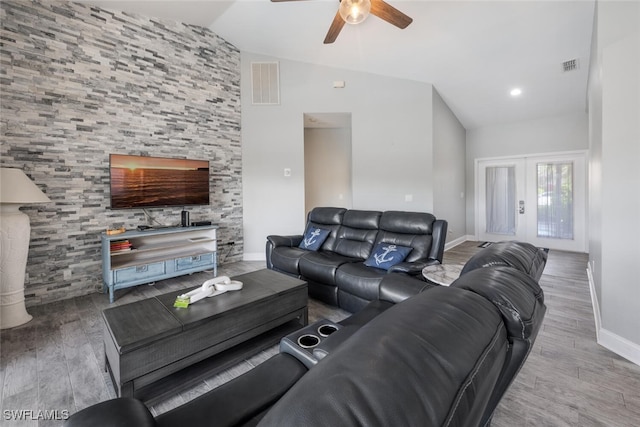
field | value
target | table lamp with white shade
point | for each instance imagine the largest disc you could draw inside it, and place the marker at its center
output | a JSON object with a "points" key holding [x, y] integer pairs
{"points": [[16, 190]]}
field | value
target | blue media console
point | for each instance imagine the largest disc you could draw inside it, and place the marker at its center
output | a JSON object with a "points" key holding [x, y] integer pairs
{"points": [[136, 257]]}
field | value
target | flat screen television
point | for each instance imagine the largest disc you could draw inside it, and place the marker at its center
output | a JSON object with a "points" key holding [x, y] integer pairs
{"points": [[144, 182]]}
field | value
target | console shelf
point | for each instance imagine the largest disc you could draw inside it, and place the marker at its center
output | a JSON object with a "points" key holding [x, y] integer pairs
{"points": [[137, 257]]}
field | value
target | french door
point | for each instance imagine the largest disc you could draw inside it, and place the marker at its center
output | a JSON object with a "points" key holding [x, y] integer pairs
{"points": [[537, 199], [501, 184]]}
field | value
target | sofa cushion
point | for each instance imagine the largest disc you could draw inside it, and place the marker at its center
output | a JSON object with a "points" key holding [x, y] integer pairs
{"points": [[327, 219], [386, 255], [287, 259], [412, 229], [358, 279], [313, 238], [358, 232], [326, 215], [321, 266], [357, 285]]}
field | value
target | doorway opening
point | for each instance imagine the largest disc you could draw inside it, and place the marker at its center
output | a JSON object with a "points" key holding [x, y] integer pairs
{"points": [[327, 160]]}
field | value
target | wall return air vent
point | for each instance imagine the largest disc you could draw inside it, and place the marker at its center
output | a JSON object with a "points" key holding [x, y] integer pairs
{"points": [[265, 83], [570, 65]]}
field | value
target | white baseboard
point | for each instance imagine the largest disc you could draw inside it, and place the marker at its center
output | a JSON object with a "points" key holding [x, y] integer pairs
{"points": [[617, 344], [594, 302], [254, 256], [458, 241]]}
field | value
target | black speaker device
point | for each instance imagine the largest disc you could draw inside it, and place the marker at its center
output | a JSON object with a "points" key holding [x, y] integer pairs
{"points": [[198, 223], [185, 218]]}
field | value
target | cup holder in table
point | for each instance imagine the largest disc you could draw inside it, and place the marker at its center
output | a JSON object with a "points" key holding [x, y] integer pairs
{"points": [[308, 341], [327, 329], [301, 343]]}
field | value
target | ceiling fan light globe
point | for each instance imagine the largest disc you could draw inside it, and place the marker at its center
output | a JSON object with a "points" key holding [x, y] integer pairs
{"points": [[354, 11]]}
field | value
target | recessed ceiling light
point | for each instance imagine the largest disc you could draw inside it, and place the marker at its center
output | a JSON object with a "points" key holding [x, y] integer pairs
{"points": [[516, 92]]}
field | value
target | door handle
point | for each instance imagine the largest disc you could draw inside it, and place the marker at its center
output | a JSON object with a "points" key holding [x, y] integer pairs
{"points": [[521, 207]]}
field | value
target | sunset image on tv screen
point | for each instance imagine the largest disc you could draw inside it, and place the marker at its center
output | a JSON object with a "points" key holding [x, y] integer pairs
{"points": [[138, 181]]}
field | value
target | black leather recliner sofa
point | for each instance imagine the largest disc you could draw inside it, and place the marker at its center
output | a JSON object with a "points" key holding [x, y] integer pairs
{"points": [[337, 272], [419, 356], [519, 255]]}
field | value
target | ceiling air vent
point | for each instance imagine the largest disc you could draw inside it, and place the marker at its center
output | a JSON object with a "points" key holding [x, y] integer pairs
{"points": [[570, 65], [265, 87]]}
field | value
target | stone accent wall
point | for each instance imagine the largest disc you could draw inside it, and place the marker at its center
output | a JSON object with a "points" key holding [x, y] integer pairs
{"points": [[78, 83]]}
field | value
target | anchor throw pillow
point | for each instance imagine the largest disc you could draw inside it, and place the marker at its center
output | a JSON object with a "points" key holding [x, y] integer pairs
{"points": [[386, 255], [313, 239]]}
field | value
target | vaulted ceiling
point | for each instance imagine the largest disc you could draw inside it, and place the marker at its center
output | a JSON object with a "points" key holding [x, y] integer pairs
{"points": [[473, 52]]}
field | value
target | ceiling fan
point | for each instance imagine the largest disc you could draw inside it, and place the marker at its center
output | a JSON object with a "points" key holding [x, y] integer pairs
{"points": [[356, 11]]}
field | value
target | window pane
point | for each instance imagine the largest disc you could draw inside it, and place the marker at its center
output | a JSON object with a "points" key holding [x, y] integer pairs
{"points": [[555, 200], [501, 200]]}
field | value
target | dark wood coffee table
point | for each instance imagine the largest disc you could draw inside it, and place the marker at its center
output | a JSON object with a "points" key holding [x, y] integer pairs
{"points": [[152, 348]]}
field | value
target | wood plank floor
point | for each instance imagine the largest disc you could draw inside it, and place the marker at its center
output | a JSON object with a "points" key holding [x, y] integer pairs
{"points": [[54, 363]]}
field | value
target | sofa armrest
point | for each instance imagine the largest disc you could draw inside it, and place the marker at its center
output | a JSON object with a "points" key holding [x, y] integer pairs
{"points": [[439, 235], [290, 241], [413, 268], [520, 255], [123, 411], [240, 400], [274, 241]]}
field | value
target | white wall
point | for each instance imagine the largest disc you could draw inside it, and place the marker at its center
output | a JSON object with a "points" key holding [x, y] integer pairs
{"points": [[448, 168], [547, 135], [594, 90], [614, 100], [391, 145], [327, 171]]}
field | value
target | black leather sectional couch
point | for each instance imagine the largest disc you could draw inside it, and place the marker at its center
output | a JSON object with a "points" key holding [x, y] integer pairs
{"points": [[337, 271], [418, 356], [519, 255]]}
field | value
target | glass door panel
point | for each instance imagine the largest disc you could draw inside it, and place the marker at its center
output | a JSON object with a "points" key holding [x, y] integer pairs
{"points": [[501, 200], [556, 186], [501, 192], [555, 200]]}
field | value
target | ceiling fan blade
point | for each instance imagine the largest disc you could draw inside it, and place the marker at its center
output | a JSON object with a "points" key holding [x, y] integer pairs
{"points": [[334, 29], [384, 10]]}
